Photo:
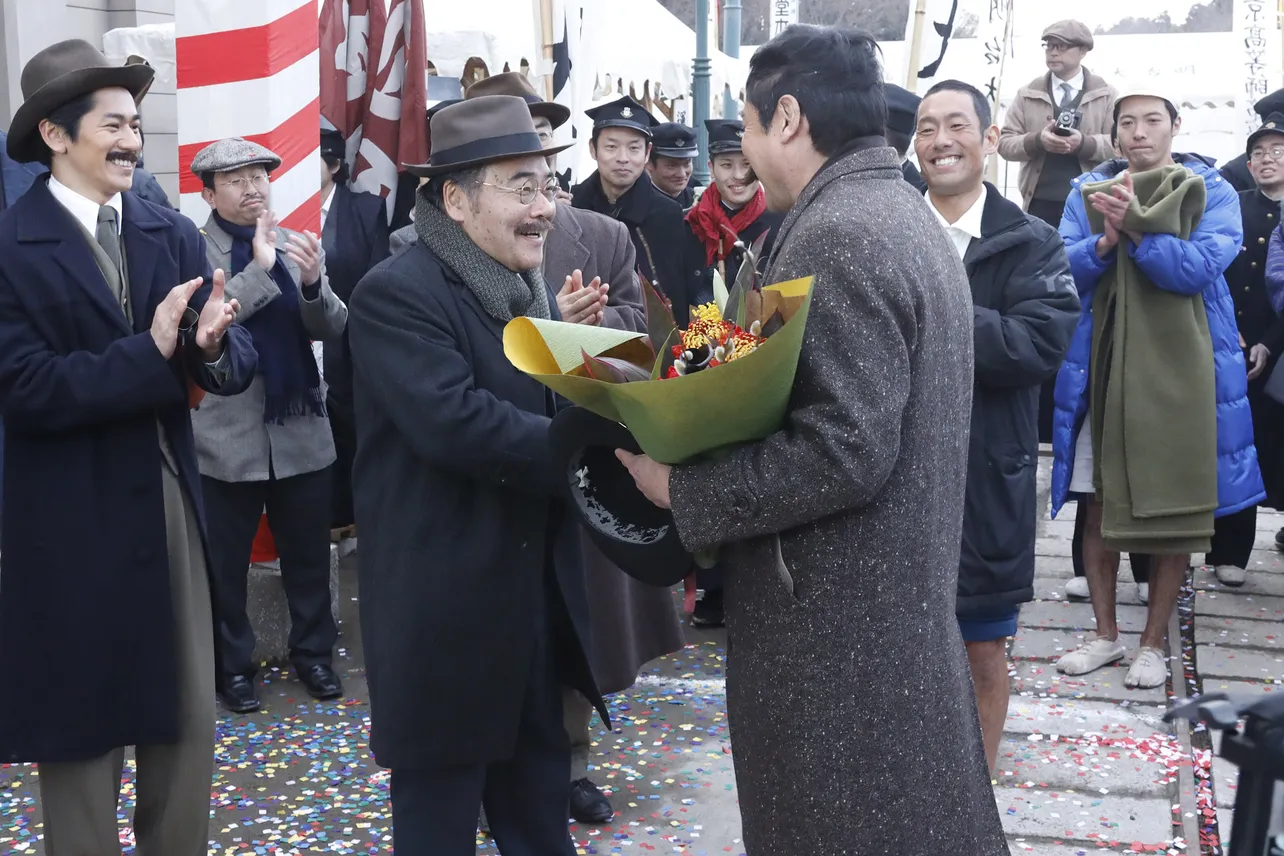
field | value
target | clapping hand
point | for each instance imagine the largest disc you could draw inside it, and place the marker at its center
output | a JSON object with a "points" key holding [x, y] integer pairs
{"points": [[1113, 207], [217, 315], [264, 241], [581, 304], [305, 251]]}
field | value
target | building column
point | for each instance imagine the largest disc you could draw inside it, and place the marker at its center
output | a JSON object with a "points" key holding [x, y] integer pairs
{"points": [[26, 28]]}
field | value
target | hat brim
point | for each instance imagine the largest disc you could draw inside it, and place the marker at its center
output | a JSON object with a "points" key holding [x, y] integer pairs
{"points": [[676, 153], [25, 144], [724, 148], [556, 114], [270, 164], [637, 536], [621, 123], [428, 170]]}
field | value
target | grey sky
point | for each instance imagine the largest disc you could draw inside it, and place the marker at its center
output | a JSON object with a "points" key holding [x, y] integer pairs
{"points": [[1034, 15]]}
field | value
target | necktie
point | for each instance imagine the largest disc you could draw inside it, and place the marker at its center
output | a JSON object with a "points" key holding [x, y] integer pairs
{"points": [[1067, 96], [108, 235]]}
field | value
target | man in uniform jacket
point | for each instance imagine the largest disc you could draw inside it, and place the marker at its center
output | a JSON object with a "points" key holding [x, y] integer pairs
{"points": [[354, 235], [621, 189], [269, 447], [1261, 333], [459, 504], [1236, 171], [841, 530], [106, 637], [902, 114], [1024, 311], [632, 623], [1050, 160], [672, 162]]}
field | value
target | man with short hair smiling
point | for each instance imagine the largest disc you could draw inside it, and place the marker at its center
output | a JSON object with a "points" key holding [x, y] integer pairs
{"points": [[672, 163], [472, 587], [620, 188], [108, 312], [841, 529], [1148, 237], [1024, 312]]}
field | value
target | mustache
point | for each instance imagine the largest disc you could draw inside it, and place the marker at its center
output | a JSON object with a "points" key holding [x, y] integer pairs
{"points": [[117, 154], [536, 227]]}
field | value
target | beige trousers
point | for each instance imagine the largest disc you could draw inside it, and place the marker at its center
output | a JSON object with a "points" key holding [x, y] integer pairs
{"points": [[577, 712], [173, 782]]}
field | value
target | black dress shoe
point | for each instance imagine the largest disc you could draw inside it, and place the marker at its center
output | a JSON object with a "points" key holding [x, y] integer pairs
{"points": [[237, 695], [708, 610], [321, 682], [588, 804]]}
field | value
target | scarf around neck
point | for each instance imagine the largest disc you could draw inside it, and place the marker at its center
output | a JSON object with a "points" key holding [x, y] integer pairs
{"points": [[719, 232], [504, 295], [292, 384]]}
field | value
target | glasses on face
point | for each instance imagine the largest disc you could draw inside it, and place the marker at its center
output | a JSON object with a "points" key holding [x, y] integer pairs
{"points": [[527, 192], [1274, 153], [240, 185], [1056, 47]]}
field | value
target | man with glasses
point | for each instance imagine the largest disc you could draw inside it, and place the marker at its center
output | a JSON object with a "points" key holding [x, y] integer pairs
{"points": [[271, 446], [1261, 336], [473, 604]]}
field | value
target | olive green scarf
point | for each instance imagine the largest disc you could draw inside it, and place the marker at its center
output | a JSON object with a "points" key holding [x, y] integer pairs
{"points": [[1152, 387]]}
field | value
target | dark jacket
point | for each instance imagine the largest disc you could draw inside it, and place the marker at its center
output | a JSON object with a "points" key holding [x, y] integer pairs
{"points": [[914, 177], [655, 224], [702, 276], [1024, 311], [1246, 276], [15, 178], [458, 505], [1237, 175], [86, 620], [147, 187]]}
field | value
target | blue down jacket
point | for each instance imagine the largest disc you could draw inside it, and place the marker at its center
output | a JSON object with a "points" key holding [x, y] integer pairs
{"points": [[1186, 267]]}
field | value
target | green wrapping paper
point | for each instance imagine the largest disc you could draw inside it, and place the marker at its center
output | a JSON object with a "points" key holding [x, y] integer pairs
{"points": [[674, 420]]}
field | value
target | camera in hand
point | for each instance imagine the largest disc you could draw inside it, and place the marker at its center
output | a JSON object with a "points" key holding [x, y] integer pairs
{"points": [[1067, 121]]}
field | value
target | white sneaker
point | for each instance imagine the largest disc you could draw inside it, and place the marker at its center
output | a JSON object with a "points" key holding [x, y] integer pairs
{"points": [[1148, 670], [1091, 656], [1229, 575], [1077, 588], [1143, 592]]}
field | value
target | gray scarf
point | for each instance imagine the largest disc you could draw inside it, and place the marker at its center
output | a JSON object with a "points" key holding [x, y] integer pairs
{"points": [[503, 294]]}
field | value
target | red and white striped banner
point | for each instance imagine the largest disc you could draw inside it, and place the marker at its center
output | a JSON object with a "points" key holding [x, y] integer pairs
{"points": [[252, 70]]}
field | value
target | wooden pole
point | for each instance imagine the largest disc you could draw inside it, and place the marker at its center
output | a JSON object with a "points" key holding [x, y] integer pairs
{"points": [[546, 35], [916, 45]]}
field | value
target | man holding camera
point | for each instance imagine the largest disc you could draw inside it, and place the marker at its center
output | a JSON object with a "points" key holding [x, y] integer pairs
{"points": [[1058, 127]]}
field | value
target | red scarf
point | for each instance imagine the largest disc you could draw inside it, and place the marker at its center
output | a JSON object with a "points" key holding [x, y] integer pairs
{"points": [[710, 223]]}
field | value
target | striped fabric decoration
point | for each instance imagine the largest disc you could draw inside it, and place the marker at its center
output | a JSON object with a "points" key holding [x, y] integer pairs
{"points": [[252, 70]]}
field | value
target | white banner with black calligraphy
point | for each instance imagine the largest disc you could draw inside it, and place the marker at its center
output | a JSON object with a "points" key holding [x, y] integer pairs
{"points": [[784, 14], [1257, 35], [934, 36]]}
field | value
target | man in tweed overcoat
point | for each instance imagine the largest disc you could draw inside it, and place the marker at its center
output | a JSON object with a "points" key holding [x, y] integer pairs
{"points": [[853, 724]]}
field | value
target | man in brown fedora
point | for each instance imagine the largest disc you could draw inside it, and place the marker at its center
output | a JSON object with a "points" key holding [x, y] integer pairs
{"points": [[633, 623], [472, 589], [108, 311]]}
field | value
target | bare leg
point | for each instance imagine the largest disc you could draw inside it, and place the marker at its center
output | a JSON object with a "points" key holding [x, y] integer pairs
{"points": [[989, 662], [1102, 569], [1166, 576]]}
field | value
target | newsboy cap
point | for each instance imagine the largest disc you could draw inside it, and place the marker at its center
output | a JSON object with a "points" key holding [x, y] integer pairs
{"points": [[1071, 32], [233, 153]]}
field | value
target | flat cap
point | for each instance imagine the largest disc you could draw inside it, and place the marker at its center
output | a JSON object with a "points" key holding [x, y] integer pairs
{"points": [[232, 153], [1071, 32], [902, 109]]}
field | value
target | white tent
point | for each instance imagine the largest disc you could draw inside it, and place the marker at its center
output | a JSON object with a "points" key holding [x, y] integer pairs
{"points": [[153, 42], [497, 32]]}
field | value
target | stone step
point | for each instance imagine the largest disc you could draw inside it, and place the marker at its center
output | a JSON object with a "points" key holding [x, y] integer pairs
{"points": [[1213, 631], [1226, 604], [1036, 679], [1244, 664], [1258, 583], [1077, 615], [1088, 817], [1029, 847], [1035, 643]]}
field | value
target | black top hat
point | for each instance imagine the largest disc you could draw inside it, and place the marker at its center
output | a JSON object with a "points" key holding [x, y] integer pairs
{"points": [[513, 83], [674, 140], [1274, 124], [478, 131], [622, 113], [725, 135], [60, 73], [902, 109], [638, 537]]}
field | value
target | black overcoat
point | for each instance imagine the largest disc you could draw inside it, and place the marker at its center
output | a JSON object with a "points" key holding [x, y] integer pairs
{"points": [[702, 275], [464, 536], [1024, 312], [87, 630], [355, 239]]}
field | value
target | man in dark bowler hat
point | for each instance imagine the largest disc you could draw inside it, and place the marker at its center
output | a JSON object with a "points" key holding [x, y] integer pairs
{"points": [[672, 162], [620, 188], [589, 254], [111, 324], [902, 112], [1237, 171], [1261, 333], [459, 504], [354, 234]]}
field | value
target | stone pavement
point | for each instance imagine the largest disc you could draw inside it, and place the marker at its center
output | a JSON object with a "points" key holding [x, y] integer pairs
{"points": [[1087, 767]]}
